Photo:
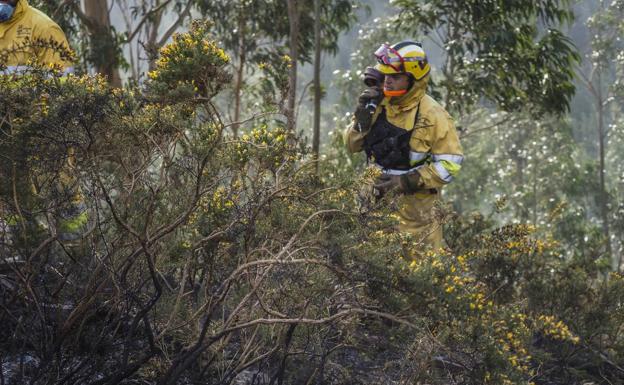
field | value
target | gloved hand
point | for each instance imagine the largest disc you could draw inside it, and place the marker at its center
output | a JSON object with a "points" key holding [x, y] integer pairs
{"points": [[404, 183], [385, 183], [367, 103]]}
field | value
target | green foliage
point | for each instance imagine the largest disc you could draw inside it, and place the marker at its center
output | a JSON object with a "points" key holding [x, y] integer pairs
{"points": [[105, 49], [256, 34], [497, 50], [527, 304], [192, 60], [267, 20], [272, 85], [534, 169], [603, 75], [606, 25]]}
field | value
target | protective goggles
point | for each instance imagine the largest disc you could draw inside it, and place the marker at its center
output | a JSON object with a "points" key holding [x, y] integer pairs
{"points": [[391, 57]]}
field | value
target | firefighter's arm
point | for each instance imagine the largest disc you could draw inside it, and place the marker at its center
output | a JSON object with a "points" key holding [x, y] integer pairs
{"points": [[354, 134], [446, 152], [438, 142], [365, 114], [353, 138], [59, 55]]}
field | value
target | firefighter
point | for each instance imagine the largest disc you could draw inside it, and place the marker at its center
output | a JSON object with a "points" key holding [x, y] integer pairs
{"points": [[22, 25], [29, 38], [409, 136]]}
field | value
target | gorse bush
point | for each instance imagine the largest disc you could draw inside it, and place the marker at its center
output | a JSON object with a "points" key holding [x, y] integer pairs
{"points": [[217, 260], [191, 60]]}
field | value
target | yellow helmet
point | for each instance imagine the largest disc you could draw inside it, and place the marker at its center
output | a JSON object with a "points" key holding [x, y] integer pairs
{"points": [[403, 57]]}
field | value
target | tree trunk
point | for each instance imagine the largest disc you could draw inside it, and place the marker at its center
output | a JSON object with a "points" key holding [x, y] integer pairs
{"points": [[603, 196], [239, 72], [100, 30], [521, 164], [293, 18], [317, 81], [151, 46]]}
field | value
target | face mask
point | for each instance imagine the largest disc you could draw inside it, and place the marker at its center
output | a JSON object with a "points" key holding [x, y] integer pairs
{"points": [[6, 11]]}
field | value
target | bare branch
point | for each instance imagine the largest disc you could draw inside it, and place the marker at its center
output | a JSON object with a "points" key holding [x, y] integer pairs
{"points": [[487, 128], [319, 321], [176, 24], [254, 117], [146, 17]]}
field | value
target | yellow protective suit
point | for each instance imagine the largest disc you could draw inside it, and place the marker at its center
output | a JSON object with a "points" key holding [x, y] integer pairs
{"points": [[30, 25], [435, 153], [30, 38]]}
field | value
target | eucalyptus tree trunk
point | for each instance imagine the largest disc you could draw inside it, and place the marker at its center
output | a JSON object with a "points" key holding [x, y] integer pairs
{"points": [[242, 57], [603, 196], [293, 19], [152, 26], [317, 81], [99, 26]]}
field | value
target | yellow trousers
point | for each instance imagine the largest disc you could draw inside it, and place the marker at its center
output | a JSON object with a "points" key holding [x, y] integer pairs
{"points": [[418, 217]]}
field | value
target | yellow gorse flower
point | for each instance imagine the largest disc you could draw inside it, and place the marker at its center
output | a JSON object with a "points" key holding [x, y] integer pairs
{"points": [[188, 57]]}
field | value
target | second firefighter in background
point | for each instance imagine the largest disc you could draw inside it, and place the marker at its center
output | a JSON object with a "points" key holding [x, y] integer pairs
{"points": [[409, 136], [29, 38]]}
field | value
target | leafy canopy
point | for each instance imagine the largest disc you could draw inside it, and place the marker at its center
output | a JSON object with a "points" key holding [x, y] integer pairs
{"points": [[507, 52]]}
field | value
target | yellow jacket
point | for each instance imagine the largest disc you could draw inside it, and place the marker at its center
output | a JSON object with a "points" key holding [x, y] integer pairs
{"points": [[20, 47], [29, 24], [435, 151]]}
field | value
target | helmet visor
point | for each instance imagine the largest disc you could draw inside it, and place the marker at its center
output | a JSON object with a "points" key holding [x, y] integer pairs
{"points": [[390, 57]]}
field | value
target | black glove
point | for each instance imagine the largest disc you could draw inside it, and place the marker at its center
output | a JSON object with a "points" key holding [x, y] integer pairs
{"points": [[410, 183], [384, 183], [367, 103], [404, 183]]}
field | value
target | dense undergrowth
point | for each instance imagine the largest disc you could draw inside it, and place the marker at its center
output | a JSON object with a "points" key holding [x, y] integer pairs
{"points": [[217, 260]]}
